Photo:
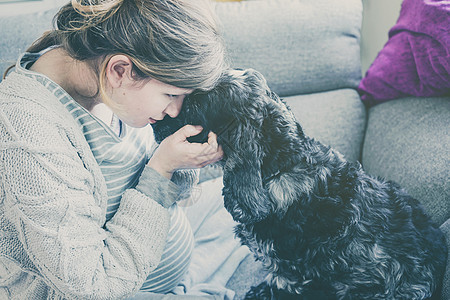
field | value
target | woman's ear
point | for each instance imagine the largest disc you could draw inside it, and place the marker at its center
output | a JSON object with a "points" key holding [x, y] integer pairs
{"points": [[119, 70]]}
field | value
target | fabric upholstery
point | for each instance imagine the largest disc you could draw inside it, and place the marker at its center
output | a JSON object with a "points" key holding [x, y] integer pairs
{"points": [[299, 46], [249, 273], [336, 118], [27, 28], [408, 141]]}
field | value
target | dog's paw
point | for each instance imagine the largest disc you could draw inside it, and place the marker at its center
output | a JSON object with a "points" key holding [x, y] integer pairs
{"points": [[262, 291], [265, 291]]}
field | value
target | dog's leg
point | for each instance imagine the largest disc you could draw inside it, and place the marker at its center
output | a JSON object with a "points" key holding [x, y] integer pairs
{"points": [[265, 291], [244, 196], [261, 291]]}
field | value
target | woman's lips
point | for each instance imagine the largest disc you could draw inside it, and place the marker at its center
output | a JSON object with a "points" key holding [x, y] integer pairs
{"points": [[152, 121]]}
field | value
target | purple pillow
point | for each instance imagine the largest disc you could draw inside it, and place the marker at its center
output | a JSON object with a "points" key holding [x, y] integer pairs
{"points": [[416, 59]]}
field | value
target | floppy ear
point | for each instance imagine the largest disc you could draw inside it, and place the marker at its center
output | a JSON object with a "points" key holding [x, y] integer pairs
{"points": [[243, 142], [244, 195]]}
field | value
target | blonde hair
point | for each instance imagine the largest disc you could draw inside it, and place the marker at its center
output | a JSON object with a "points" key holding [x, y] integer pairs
{"points": [[174, 41]]}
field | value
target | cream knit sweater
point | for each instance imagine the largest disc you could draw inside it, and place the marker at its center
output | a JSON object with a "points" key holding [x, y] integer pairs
{"points": [[54, 242]]}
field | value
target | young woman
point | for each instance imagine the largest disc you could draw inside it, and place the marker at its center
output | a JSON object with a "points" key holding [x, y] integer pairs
{"points": [[86, 212]]}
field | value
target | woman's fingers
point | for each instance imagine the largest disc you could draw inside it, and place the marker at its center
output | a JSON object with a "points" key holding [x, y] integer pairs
{"points": [[212, 149], [175, 152], [212, 140], [206, 153], [186, 131]]}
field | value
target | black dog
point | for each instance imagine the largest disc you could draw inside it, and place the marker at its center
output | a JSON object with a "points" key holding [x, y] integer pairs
{"points": [[322, 227]]}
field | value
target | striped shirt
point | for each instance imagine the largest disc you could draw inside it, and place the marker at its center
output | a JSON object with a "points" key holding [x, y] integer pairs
{"points": [[122, 153]]}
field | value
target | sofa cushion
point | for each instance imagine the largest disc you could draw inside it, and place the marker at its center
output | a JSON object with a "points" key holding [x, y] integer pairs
{"points": [[416, 59], [300, 46], [407, 141], [19, 32], [335, 118], [249, 273]]}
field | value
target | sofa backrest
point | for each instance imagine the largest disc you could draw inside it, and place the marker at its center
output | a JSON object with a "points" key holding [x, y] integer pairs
{"points": [[300, 46], [18, 32]]}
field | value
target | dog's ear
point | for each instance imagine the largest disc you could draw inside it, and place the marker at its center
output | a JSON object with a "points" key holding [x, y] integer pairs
{"points": [[244, 195]]}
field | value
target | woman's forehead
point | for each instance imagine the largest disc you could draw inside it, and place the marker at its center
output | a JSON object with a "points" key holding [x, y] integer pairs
{"points": [[171, 88]]}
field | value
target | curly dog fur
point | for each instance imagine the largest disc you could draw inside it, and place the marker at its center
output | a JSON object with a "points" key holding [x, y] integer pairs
{"points": [[322, 227]]}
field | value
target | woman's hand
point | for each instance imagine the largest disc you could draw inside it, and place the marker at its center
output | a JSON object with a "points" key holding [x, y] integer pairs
{"points": [[175, 152]]}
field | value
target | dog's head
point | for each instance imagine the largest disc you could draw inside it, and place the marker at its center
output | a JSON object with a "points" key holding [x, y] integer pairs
{"points": [[248, 119], [237, 98]]}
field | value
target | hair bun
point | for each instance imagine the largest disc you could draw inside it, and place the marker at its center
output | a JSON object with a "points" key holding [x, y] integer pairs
{"points": [[95, 6], [93, 12]]}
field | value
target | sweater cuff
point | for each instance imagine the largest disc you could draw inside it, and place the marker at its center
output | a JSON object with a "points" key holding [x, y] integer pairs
{"points": [[157, 187]]}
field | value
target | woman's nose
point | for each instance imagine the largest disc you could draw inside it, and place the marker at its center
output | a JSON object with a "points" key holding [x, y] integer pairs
{"points": [[174, 108]]}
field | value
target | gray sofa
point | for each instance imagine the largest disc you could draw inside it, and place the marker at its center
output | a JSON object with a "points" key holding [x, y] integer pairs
{"points": [[309, 51]]}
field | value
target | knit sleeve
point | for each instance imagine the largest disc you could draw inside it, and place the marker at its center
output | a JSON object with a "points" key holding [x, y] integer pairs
{"points": [[49, 197]]}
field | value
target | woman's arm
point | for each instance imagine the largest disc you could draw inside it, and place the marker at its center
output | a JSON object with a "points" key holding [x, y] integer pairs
{"points": [[57, 208]]}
